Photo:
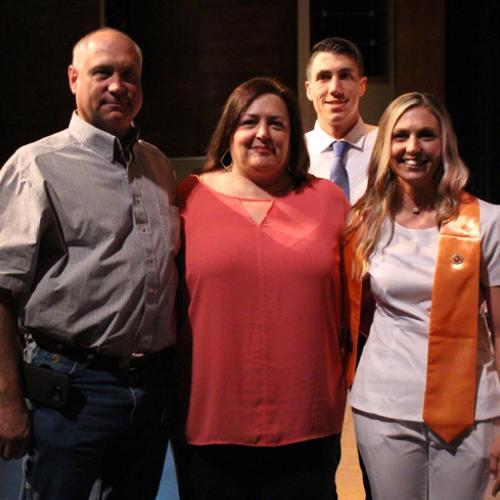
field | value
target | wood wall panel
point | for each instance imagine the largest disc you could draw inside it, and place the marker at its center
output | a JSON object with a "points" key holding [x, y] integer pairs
{"points": [[256, 39], [169, 37], [196, 54], [419, 43]]}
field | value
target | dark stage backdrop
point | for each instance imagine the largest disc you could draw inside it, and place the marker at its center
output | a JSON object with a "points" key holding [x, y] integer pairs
{"points": [[197, 51]]}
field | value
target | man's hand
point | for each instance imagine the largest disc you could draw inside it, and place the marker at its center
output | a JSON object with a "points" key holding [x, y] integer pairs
{"points": [[15, 431], [495, 465]]}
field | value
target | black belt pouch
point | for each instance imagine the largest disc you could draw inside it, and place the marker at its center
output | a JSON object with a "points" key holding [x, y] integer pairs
{"points": [[45, 386]]}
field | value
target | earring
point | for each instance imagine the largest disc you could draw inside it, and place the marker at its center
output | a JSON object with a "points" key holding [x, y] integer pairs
{"points": [[226, 162]]}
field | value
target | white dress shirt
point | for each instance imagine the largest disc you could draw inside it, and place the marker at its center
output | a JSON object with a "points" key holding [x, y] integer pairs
{"points": [[361, 139]]}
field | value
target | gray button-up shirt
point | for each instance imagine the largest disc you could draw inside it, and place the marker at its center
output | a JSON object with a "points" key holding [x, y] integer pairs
{"points": [[88, 240]]}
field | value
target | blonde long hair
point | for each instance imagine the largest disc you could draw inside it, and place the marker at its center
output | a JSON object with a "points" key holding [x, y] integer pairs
{"points": [[368, 214]]}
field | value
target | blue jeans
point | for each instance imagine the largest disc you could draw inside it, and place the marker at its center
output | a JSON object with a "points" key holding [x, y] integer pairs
{"points": [[110, 439], [168, 489]]}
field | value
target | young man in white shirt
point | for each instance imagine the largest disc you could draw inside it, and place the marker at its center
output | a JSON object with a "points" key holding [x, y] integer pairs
{"points": [[335, 83]]}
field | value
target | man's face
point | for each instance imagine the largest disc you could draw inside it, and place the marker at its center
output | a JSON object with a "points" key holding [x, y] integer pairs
{"points": [[334, 87], [107, 83]]}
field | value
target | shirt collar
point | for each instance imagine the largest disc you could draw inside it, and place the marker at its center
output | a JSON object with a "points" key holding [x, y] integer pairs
{"points": [[355, 137], [124, 149], [102, 142]]}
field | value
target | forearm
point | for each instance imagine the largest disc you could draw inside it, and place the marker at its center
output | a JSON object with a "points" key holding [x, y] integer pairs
{"points": [[14, 417], [10, 353], [494, 314]]}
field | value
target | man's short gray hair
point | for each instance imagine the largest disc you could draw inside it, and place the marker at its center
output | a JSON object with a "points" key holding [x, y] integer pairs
{"points": [[81, 47]]}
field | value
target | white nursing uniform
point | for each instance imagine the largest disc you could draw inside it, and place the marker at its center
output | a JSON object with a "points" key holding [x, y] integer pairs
{"points": [[390, 379]]}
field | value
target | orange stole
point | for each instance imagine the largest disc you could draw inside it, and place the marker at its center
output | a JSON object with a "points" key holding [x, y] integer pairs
{"points": [[450, 392], [451, 384], [353, 307]]}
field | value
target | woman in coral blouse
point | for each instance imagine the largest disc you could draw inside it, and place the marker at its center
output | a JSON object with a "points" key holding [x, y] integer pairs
{"points": [[261, 371], [426, 395]]}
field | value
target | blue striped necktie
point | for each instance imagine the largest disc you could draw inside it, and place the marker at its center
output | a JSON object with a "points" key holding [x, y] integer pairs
{"points": [[338, 172]]}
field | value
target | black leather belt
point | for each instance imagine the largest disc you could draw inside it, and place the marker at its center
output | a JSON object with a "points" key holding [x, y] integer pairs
{"points": [[134, 361]]}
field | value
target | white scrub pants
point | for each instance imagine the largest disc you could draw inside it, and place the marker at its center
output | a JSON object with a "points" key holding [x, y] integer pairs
{"points": [[407, 461]]}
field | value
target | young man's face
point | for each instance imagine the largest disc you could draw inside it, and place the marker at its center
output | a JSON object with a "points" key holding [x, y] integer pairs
{"points": [[334, 87]]}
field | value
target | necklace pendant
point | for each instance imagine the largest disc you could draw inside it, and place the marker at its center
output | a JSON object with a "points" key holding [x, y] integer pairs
{"points": [[415, 210]]}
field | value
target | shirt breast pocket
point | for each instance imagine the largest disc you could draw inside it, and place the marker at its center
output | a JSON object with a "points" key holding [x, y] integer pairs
{"points": [[170, 223]]}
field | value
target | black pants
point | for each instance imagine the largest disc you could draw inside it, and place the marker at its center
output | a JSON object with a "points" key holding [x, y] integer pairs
{"points": [[228, 472]]}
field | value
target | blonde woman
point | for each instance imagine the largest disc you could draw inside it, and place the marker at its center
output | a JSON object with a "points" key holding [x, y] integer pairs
{"points": [[426, 395]]}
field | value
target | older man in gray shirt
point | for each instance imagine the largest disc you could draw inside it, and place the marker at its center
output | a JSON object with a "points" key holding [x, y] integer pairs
{"points": [[88, 236]]}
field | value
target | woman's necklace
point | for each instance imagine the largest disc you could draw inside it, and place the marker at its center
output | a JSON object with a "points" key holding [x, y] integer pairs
{"points": [[417, 209]]}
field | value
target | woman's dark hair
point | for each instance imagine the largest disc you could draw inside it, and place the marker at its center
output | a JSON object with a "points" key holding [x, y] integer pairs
{"points": [[237, 103]]}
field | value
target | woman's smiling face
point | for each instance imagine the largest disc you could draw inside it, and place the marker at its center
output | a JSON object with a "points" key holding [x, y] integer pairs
{"points": [[416, 148], [261, 142]]}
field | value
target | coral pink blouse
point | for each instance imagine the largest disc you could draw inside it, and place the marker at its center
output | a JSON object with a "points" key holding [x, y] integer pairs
{"points": [[261, 329]]}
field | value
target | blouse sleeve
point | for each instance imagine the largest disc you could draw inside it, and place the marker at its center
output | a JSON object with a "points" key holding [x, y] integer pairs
{"points": [[490, 244]]}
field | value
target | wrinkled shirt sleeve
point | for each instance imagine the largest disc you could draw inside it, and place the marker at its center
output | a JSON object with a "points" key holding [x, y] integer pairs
{"points": [[23, 211]]}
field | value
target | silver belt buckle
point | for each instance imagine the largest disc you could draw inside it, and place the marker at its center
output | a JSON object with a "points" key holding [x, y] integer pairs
{"points": [[126, 362]]}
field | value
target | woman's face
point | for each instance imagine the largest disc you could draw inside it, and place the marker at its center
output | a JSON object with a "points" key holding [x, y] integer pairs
{"points": [[416, 148], [261, 141]]}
